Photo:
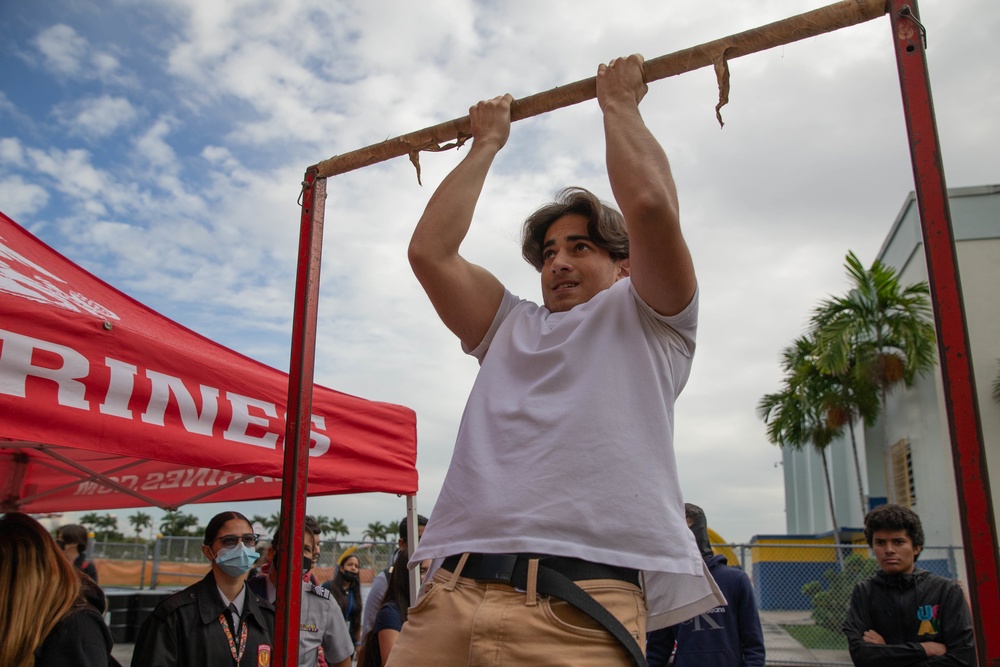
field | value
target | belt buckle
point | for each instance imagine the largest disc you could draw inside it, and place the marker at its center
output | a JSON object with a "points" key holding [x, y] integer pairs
{"points": [[497, 567]]}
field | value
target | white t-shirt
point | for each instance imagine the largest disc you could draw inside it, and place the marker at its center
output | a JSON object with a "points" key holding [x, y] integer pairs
{"points": [[566, 446]]}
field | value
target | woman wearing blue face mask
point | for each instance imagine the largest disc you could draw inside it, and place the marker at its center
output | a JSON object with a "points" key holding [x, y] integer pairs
{"points": [[217, 621]]}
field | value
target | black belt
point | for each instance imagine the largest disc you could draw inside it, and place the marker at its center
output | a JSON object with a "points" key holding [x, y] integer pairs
{"points": [[555, 578]]}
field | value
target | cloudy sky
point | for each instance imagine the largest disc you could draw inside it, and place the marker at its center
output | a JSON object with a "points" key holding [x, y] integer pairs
{"points": [[160, 144]]}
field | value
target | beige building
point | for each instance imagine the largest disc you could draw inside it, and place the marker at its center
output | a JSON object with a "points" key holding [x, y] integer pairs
{"points": [[906, 457]]}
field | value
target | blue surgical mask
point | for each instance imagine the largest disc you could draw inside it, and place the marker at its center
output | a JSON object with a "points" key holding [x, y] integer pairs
{"points": [[236, 560]]}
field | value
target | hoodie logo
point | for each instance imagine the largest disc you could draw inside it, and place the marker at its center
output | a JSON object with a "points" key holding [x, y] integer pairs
{"points": [[928, 617]]}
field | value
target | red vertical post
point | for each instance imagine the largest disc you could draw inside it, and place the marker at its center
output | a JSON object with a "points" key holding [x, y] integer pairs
{"points": [[975, 503], [298, 422]]}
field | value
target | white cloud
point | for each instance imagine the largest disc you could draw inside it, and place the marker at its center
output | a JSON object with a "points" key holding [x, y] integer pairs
{"points": [[153, 147], [195, 211], [63, 49], [99, 117], [20, 198], [11, 152]]}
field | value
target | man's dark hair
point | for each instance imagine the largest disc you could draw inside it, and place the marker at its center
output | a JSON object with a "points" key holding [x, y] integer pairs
{"points": [[73, 533], [605, 225], [310, 525], [218, 521], [421, 521], [894, 517]]}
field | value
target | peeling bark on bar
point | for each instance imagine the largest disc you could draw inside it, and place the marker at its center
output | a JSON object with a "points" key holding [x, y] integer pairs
{"points": [[716, 53]]}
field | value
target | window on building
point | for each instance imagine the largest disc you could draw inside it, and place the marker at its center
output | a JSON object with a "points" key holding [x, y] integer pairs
{"points": [[901, 488]]}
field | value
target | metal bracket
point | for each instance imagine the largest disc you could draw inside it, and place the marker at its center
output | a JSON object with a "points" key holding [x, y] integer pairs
{"points": [[907, 13]]}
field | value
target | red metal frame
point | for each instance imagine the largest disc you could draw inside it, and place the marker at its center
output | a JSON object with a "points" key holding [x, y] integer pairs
{"points": [[975, 503], [974, 499], [298, 423]]}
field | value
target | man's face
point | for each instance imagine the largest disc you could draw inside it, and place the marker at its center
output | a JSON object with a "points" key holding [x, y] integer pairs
{"points": [[894, 551], [310, 546], [574, 268], [402, 541]]}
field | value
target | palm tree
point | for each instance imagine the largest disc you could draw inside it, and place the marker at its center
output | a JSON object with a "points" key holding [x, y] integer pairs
{"points": [[108, 525], [885, 326], [90, 520], [262, 520], [177, 523], [376, 531], [138, 521], [797, 415], [853, 397], [332, 525], [392, 529], [878, 335]]}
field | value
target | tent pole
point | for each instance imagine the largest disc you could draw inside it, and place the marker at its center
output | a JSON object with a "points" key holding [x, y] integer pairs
{"points": [[975, 504], [412, 535], [294, 488]]}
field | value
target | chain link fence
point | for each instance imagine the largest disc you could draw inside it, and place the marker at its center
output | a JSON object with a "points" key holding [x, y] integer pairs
{"points": [[803, 590], [803, 587], [176, 562]]}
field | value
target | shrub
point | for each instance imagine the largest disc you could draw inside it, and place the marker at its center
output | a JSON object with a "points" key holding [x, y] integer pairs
{"points": [[830, 602]]}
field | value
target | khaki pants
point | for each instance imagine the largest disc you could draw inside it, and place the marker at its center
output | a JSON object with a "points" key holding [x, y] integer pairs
{"points": [[459, 622]]}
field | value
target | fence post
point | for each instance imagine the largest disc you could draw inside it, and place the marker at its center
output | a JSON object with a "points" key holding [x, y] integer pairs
{"points": [[156, 564], [142, 568]]}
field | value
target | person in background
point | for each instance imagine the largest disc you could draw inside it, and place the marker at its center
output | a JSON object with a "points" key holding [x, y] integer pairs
{"points": [[323, 635], [727, 636], [346, 589], [72, 539], [217, 621], [904, 615], [381, 582], [391, 616], [44, 617]]}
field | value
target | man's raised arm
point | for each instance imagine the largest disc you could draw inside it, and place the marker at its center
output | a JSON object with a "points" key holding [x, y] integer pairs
{"points": [[466, 296], [660, 265]]}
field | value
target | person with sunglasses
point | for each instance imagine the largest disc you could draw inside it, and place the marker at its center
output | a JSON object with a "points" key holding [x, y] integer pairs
{"points": [[219, 620]]}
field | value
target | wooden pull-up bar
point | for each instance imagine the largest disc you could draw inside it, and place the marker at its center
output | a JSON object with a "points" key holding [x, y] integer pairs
{"points": [[716, 53]]}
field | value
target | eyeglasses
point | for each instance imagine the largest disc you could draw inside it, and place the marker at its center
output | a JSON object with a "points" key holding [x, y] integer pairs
{"points": [[229, 541]]}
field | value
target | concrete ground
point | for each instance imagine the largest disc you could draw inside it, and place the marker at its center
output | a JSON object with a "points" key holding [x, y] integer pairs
{"points": [[782, 649]]}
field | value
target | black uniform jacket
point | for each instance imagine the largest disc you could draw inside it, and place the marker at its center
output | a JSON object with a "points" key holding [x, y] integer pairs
{"points": [[184, 630]]}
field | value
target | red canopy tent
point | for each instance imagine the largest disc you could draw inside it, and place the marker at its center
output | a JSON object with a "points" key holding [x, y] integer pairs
{"points": [[105, 403]]}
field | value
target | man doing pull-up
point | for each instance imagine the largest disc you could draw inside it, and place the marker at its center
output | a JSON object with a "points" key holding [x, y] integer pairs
{"points": [[563, 487]]}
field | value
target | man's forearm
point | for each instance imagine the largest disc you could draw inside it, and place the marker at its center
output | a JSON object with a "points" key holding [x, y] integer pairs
{"points": [[659, 261], [637, 165]]}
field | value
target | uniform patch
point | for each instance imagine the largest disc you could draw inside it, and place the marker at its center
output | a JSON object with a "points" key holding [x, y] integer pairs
{"points": [[309, 627], [263, 655], [320, 591]]}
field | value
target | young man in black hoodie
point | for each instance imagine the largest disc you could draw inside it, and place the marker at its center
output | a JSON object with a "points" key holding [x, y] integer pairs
{"points": [[903, 615]]}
